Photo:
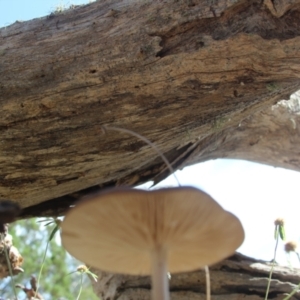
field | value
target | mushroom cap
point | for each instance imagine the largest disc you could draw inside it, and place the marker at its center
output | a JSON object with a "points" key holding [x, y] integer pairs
{"points": [[118, 230]]}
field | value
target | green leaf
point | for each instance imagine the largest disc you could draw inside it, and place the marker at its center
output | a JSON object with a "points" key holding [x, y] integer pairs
{"points": [[94, 276], [282, 232], [51, 222], [31, 238], [56, 228]]}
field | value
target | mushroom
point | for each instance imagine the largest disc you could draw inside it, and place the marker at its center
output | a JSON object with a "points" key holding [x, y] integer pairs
{"points": [[140, 232]]}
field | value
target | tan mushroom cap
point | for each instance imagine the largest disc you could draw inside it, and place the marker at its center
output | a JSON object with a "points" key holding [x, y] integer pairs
{"points": [[117, 231]]}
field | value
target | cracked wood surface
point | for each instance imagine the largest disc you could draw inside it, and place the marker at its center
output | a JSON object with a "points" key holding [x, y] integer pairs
{"points": [[262, 137], [198, 78], [238, 277]]}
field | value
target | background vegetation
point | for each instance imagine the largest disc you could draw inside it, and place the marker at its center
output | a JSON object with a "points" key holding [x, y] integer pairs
{"points": [[30, 237]]}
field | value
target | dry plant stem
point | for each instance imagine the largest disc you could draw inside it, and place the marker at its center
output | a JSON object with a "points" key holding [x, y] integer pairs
{"points": [[80, 290], [292, 293], [160, 281], [11, 273], [41, 269], [147, 142], [273, 263], [9, 267], [207, 279]]}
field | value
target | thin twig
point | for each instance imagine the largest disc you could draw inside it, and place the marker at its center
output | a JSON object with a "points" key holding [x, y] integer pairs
{"points": [[105, 128], [9, 266]]}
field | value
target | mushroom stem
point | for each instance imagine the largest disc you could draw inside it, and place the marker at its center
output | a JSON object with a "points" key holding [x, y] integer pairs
{"points": [[160, 281]]}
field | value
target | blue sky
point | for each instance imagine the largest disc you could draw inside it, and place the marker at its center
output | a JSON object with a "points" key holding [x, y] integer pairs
{"points": [[257, 194], [23, 10]]}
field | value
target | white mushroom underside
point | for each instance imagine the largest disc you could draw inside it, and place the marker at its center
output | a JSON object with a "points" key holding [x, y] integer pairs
{"points": [[118, 233]]}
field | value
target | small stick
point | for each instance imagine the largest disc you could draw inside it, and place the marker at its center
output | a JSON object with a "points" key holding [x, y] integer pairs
{"points": [[105, 128]]}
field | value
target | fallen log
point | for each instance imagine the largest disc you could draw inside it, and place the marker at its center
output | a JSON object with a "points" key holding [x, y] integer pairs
{"points": [[198, 78], [238, 277]]}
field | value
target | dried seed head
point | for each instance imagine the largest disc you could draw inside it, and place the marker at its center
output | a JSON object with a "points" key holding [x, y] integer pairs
{"points": [[279, 222], [82, 269], [15, 257], [290, 246]]}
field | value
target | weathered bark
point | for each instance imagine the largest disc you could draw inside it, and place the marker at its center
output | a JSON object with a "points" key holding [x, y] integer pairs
{"points": [[269, 136], [238, 277], [196, 77]]}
